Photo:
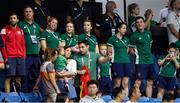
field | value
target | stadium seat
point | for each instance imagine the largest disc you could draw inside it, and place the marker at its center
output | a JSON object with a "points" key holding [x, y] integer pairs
{"points": [[107, 98], [177, 100], [155, 100], [31, 97], [143, 99], [10, 97]]}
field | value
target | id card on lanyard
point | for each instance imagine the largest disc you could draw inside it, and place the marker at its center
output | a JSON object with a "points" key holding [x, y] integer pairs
{"points": [[33, 36], [89, 61]]}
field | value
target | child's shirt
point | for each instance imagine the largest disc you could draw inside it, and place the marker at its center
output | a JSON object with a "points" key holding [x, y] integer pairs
{"points": [[60, 63]]}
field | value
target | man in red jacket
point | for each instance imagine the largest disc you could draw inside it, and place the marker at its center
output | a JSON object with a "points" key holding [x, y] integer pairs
{"points": [[13, 51]]}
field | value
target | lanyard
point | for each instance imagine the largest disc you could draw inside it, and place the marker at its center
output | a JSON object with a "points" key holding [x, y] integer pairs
{"points": [[89, 57], [122, 42], [29, 31], [56, 37]]}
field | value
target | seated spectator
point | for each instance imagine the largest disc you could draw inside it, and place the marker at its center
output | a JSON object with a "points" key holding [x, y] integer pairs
{"points": [[168, 98], [92, 90], [134, 94], [119, 95], [62, 97], [47, 76]]}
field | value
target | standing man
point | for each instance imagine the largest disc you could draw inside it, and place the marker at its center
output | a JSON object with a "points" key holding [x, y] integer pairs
{"points": [[88, 59], [31, 34], [107, 25], [78, 13], [140, 45], [13, 52], [41, 13]]}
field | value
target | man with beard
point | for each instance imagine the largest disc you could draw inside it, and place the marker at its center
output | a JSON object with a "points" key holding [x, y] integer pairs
{"points": [[13, 51]]}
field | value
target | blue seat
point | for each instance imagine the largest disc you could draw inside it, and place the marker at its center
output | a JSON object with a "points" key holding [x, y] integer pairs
{"points": [[143, 99], [31, 97], [177, 100], [10, 97], [155, 100], [107, 98]]}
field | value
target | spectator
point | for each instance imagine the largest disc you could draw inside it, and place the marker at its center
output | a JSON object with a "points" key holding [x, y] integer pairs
{"points": [[49, 37], [121, 67], [70, 38], [62, 97], [152, 23], [173, 20], [31, 34], [47, 77], [168, 98], [169, 64], [92, 90], [13, 52], [108, 23], [134, 11], [119, 95], [41, 13], [87, 59], [2, 63], [140, 45], [134, 94], [163, 14], [87, 35], [105, 74], [77, 13]]}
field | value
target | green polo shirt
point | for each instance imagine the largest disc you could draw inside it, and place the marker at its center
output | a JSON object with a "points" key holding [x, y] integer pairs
{"points": [[31, 35], [90, 60], [141, 41], [91, 40], [70, 40], [52, 39], [178, 44], [168, 69], [120, 47], [105, 69]]}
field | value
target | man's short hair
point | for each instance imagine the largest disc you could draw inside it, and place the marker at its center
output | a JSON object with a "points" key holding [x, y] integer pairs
{"points": [[91, 82], [109, 4], [168, 97], [83, 42], [14, 13], [139, 17], [117, 90]]}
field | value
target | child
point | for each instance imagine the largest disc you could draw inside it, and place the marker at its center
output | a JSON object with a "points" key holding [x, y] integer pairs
{"points": [[92, 40], [60, 65], [169, 64], [47, 76], [105, 79]]}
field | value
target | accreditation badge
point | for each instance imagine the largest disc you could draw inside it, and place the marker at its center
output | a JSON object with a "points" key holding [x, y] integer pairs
{"points": [[34, 39]]}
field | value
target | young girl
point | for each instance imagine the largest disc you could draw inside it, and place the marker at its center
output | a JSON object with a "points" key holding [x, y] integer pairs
{"points": [[169, 64], [47, 76], [121, 67], [93, 45]]}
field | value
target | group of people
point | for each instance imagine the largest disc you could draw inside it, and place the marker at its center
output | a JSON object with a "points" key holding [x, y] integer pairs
{"points": [[68, 66]]}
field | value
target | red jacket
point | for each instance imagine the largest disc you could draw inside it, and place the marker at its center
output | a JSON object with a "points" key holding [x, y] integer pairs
{"points": [[14, 44]]}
